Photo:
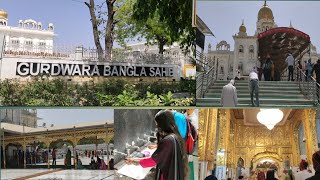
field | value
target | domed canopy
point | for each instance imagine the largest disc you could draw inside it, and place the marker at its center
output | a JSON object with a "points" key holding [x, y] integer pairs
{"points": [[265, 12], [242, 28], [3, 14]]}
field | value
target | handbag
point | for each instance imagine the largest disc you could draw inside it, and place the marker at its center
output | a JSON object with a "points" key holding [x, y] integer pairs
{"points": [[191, 139]]}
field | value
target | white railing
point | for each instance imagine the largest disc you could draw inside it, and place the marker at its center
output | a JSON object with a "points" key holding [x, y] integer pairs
{"points": [[87, 54], [60, 52]]}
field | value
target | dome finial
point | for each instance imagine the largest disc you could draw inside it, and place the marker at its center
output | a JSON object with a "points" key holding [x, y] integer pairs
{"points": [[242, 21], [265, 3], [290, 24]]}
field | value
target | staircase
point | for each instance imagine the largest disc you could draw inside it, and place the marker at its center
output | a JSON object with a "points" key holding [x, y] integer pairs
{"points": [[271, 94]]}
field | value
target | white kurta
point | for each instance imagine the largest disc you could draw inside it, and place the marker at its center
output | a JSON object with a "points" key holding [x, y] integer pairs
{"points": [[303, 175], [229, 96]]}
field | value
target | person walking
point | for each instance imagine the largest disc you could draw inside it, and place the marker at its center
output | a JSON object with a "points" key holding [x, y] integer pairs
{"points": [[290, 63], [272, 72], [54, 157], [309, 69], [316, 69], [299, 70], [254, 87], [229, 95], [267, 68], [68, 159]]}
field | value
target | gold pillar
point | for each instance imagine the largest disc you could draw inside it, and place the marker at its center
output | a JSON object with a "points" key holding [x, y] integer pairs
{"points": [[294, 140], [223, 136], [47, 143], [309, 121], [24, 148], [207, 135]]}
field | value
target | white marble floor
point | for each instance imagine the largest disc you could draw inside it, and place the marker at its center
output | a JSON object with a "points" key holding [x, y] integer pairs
{"points": [[9, 174]]}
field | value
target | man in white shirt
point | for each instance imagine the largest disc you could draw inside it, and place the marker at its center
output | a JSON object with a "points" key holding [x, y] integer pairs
{"points": [[303, 174], [229, 95], [290, 62], [254, 86]]}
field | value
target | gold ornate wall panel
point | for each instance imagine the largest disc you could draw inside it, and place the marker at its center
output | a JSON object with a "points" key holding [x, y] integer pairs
{"points": [[207, 135], [253, 140]]}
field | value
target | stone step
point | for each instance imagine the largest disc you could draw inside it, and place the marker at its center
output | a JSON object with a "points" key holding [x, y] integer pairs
{"points": [[215, 102], [262, 95], [209, 104], [261, 84], [246, 88]]}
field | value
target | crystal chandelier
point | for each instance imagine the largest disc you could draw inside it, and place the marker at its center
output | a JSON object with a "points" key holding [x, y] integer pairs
{"points": [[270, 117]]}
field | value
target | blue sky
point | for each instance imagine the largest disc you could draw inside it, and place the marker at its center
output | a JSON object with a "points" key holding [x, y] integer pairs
{"points": [[71, 18], [225, 17], [71, 116]]}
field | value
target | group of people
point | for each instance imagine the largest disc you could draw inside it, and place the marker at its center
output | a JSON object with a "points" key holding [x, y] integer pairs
{"points": [[229, 92], [304, 172], [170, 157], [101, 165]]}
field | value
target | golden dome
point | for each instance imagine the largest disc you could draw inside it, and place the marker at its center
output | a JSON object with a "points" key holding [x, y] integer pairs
{"points": [[242, 28], [3, 14], [265, 12]]}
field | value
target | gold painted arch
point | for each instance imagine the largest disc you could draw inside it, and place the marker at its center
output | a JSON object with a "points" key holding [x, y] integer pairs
{"points": [[267, 155]]}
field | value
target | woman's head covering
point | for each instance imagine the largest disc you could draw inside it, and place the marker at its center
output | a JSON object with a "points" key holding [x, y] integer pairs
{"points": [[316, 161]]}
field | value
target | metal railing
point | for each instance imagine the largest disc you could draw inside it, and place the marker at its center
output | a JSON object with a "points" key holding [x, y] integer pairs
{"points": [[308, 86], [205, 78]]}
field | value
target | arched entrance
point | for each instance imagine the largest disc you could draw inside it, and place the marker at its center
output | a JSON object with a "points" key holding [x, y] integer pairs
{"points": [[277, 42], [14, 155], [267, 160]]}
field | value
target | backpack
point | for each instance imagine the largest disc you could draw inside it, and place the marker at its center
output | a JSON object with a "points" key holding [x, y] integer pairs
{"points": [[191, 137]]}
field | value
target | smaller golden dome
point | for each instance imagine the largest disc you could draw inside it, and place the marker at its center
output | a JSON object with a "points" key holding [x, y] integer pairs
{"points": [[242, 28], [3, 14]]}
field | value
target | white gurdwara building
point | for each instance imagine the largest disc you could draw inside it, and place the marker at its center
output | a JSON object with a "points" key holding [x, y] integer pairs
{"points": [[29, 37], [245, 54]]}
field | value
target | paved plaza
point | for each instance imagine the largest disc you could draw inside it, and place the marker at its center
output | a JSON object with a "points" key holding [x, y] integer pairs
{"points": [[35, 174]]}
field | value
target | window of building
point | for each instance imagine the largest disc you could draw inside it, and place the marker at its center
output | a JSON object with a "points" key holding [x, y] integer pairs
{"points": [[221, 70], [42, 44], [15, 41], [240, 49], [29, 43]]}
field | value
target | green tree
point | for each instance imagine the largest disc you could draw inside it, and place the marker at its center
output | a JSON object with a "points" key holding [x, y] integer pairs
{"points": [[175, 16]]}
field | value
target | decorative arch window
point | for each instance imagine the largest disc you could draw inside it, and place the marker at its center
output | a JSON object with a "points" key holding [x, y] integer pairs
{"points": [[241, 49], [251, 51]]}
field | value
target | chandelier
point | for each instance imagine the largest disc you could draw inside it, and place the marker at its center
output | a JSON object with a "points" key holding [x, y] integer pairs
{"points": [[270, 117]]}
